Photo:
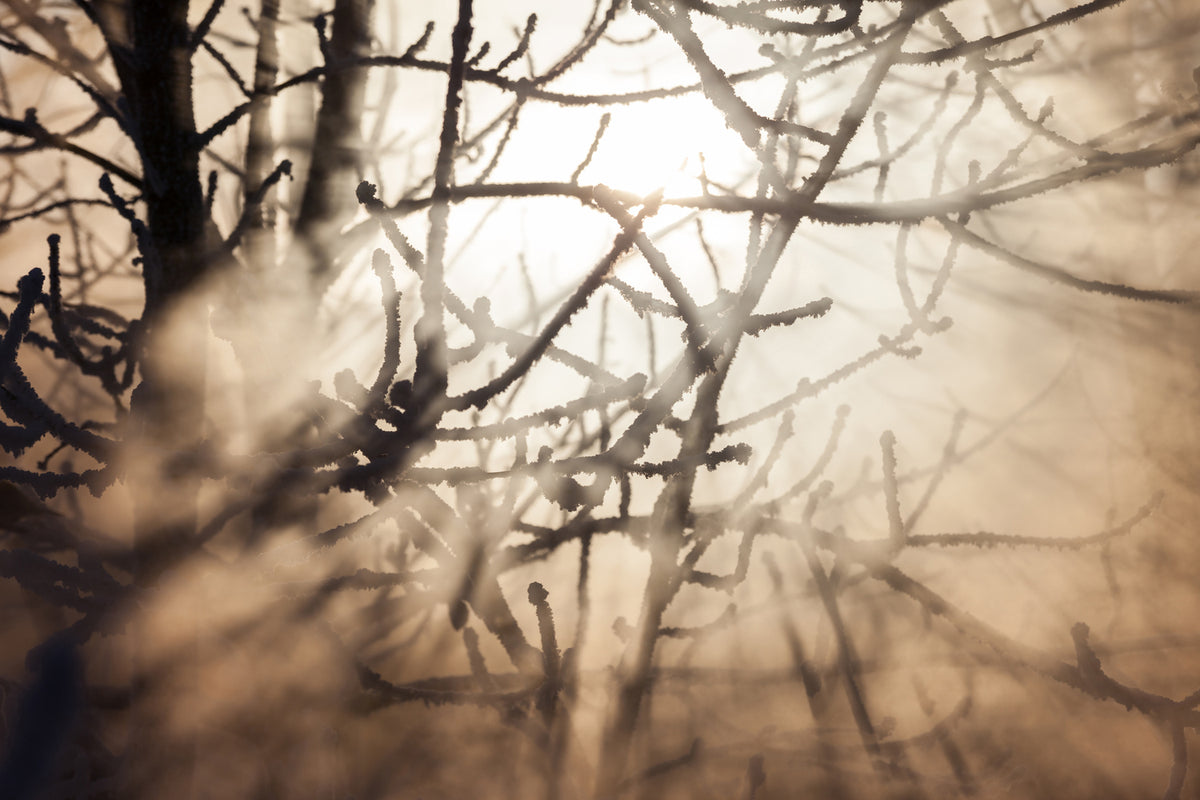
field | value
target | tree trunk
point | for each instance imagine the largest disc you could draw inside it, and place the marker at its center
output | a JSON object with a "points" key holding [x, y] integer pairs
{"points": [[150, 44]]}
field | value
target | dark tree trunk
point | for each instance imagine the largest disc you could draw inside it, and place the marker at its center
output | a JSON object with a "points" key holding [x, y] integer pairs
{"points": [[150, 44]]}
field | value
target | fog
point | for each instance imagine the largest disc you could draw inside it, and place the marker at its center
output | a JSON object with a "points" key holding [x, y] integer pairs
{"points": [[689, 406]]}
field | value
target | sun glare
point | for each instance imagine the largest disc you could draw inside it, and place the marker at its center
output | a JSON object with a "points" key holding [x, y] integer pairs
{"points": [[665, 146]]}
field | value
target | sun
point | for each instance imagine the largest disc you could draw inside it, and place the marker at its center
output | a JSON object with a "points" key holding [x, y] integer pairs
{"points": [[669, 145]]}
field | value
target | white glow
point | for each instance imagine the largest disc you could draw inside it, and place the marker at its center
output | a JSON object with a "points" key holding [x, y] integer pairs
{"points": [[663, 146]]}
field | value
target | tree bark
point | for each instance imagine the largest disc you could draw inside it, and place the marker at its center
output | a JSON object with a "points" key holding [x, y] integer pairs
{"points": [[153, 56], [329, 201], [151, 48]]}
